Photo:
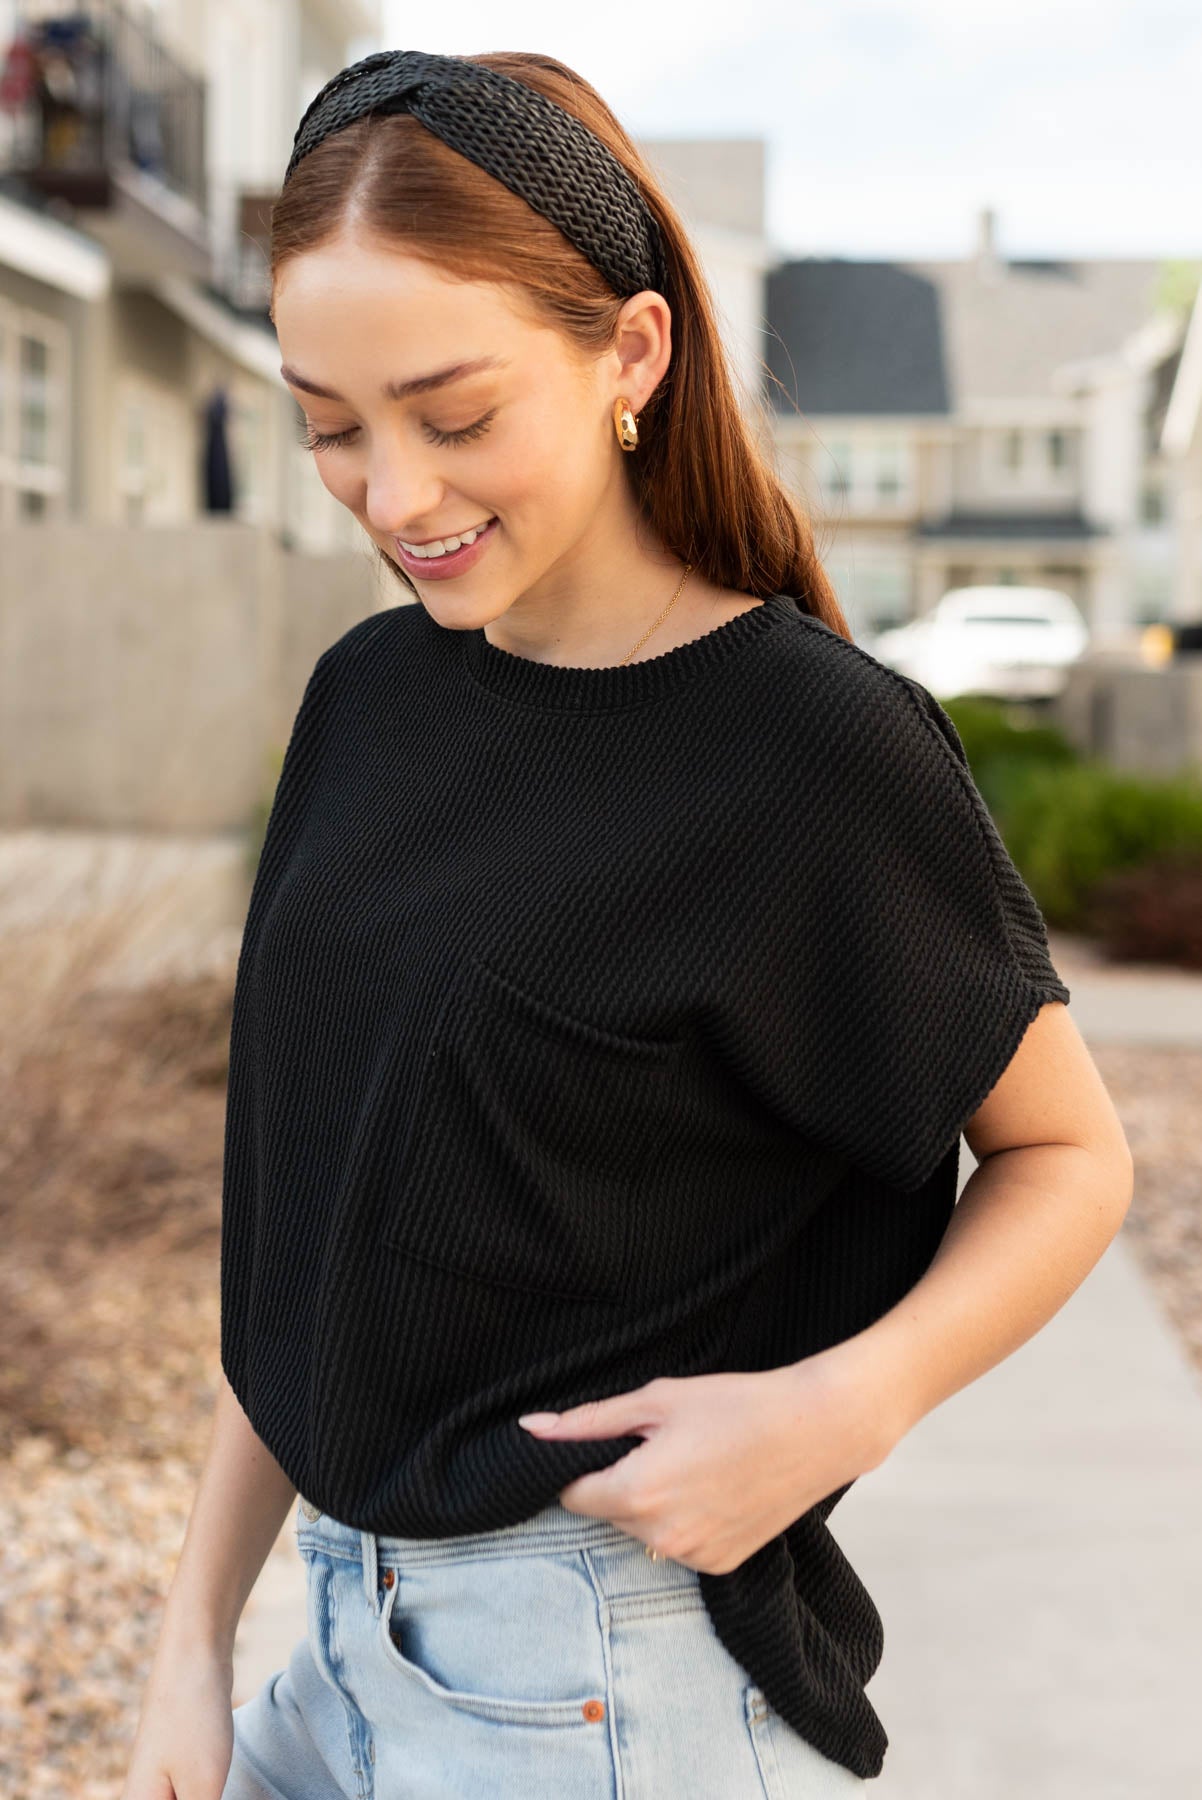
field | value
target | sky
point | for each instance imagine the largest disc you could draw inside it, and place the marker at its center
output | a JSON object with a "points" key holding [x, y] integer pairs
{"points": [[889, 126]]}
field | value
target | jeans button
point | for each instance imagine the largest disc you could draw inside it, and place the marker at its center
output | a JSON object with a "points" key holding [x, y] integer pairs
{"points": [[310, 1512]]}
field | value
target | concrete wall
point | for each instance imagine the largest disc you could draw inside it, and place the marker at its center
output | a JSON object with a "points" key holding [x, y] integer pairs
{"points": [[147, 675], [1143, 720]]}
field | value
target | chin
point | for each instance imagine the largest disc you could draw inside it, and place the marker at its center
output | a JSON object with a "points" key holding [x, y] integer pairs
{"points": [[459, 612]]}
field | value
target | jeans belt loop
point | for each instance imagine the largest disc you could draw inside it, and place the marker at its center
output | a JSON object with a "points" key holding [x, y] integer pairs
{"points": [[367, 1543]]}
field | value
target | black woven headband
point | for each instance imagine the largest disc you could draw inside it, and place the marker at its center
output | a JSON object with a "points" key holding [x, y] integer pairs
{"points": [[535, 147]]}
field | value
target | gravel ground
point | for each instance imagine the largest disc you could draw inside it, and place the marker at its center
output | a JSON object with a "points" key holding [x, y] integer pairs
{"points": [[111, 1110]]}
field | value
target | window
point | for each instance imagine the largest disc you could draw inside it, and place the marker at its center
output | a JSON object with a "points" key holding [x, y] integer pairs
{"points": [[888, 473], [875, 586], [866, 474], [34, 371], [883, 592], [1024, 460], [1153, 596], [33, 400], [153, 450], [842, 471]]}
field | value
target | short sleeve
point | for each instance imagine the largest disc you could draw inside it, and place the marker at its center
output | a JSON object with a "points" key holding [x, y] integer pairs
{"points": [[923, 956]]}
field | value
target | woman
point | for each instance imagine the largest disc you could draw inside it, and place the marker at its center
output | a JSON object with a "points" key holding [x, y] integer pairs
{"points": [[627, 952]]}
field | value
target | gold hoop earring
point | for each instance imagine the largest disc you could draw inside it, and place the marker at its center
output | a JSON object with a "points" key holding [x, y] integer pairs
{"points": [[625, 425]]}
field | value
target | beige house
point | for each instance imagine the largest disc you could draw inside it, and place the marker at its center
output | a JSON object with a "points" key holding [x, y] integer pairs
{"points": [[137, 154], [977, 421], [1181, 446]]}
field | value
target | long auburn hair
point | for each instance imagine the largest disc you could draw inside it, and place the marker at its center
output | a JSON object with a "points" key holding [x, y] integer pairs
{"points": [[699, 476]]}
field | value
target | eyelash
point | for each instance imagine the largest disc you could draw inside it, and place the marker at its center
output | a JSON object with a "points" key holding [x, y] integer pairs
{"points": [[312, 439]]}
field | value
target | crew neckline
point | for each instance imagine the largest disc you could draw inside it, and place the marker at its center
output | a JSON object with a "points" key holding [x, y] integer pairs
{"points": [[567, 686]]}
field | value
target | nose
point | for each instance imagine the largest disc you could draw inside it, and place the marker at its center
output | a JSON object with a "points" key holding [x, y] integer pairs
{"points": [[402, 490]]}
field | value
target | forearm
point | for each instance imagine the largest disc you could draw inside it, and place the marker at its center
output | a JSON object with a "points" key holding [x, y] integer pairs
{"points": [[241, 1501], [1028, 1227]]}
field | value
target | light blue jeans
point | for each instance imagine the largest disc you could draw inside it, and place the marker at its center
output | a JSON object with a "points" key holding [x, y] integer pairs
{"points": [[549, 1660]]}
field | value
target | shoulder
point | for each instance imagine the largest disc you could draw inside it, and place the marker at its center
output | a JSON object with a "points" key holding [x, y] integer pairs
{"points": [[368, 634], [853, 710], [354, 656]]}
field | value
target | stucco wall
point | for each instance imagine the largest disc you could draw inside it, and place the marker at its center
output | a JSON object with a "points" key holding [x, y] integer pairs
{"points": [[148, 674]]}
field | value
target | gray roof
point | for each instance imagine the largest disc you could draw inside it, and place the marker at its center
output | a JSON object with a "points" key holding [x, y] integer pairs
{"points": [[848, 337], [1066, 525], [929, 337]]}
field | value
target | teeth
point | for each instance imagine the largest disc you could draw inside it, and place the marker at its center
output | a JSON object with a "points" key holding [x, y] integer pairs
{"points": [[443, 546]]}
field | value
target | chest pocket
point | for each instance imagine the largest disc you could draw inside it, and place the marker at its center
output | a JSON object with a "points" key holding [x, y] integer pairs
{"points": [[529, 1154]]}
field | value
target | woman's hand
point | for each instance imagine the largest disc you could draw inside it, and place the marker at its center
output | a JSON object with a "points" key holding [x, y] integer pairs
{"points": [[184, 1744], [729, 1460]]}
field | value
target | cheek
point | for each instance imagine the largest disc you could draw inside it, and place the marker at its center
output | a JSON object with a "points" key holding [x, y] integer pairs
{"points": [[336, 477], [551, 478], [551, 453]]}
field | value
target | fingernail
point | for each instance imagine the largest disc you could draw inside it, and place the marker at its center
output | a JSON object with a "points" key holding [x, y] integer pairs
{"points": [[538, 1421]]}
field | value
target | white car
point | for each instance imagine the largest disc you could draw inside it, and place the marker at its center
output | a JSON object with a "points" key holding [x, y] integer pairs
{"points": [[1005, 642]]}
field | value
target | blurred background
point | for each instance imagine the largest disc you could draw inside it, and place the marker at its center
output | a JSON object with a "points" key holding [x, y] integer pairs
{"points": [[956, 255]]}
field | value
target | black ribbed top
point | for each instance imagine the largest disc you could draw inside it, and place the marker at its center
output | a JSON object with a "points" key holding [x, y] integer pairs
{"points": [[594, 1024], [559, 686]]}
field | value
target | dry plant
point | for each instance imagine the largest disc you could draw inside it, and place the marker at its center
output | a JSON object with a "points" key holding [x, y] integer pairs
{"points": [[111, 1109], [112, 1100]]}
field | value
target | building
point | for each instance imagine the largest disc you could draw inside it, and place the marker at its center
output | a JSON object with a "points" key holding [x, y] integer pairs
{"points": [[1181, 447], [979, 420], [138, 150], [982, 419]]}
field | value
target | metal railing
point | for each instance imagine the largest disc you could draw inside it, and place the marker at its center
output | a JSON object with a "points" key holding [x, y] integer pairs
{"points": [[105, 93]]}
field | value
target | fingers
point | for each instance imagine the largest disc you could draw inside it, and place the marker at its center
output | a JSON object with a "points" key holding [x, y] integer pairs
{"points": [[615, 1416]]}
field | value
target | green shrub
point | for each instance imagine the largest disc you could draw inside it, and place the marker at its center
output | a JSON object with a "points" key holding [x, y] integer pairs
{"points": [[1002, 743], [990, 731], [1070, 826], [1080, 831]]}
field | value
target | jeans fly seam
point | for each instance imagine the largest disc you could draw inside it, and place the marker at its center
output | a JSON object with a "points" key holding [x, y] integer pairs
{"points": [[349, 1711], [763, 1745], [610, 1709]]}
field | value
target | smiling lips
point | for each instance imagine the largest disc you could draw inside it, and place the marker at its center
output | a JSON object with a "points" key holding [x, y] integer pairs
{"points": [[444, 546]]}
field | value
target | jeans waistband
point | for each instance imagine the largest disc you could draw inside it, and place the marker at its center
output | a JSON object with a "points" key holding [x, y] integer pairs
{"points": [[553, 1528]]}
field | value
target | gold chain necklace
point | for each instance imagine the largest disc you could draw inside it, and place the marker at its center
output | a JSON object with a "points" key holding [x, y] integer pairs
{"points": [[667, 609]]}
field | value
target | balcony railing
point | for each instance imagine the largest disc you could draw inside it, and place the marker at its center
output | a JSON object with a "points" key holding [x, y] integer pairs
{"points": [[104, 94]]}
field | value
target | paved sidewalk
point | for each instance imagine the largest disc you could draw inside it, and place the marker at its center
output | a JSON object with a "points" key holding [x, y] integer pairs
{"points": [[1128, 1003], [1034, 1549], [1033, 1545]]}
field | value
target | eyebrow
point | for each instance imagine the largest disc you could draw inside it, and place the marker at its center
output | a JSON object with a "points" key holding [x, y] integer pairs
{"points": [[401, 390]]}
